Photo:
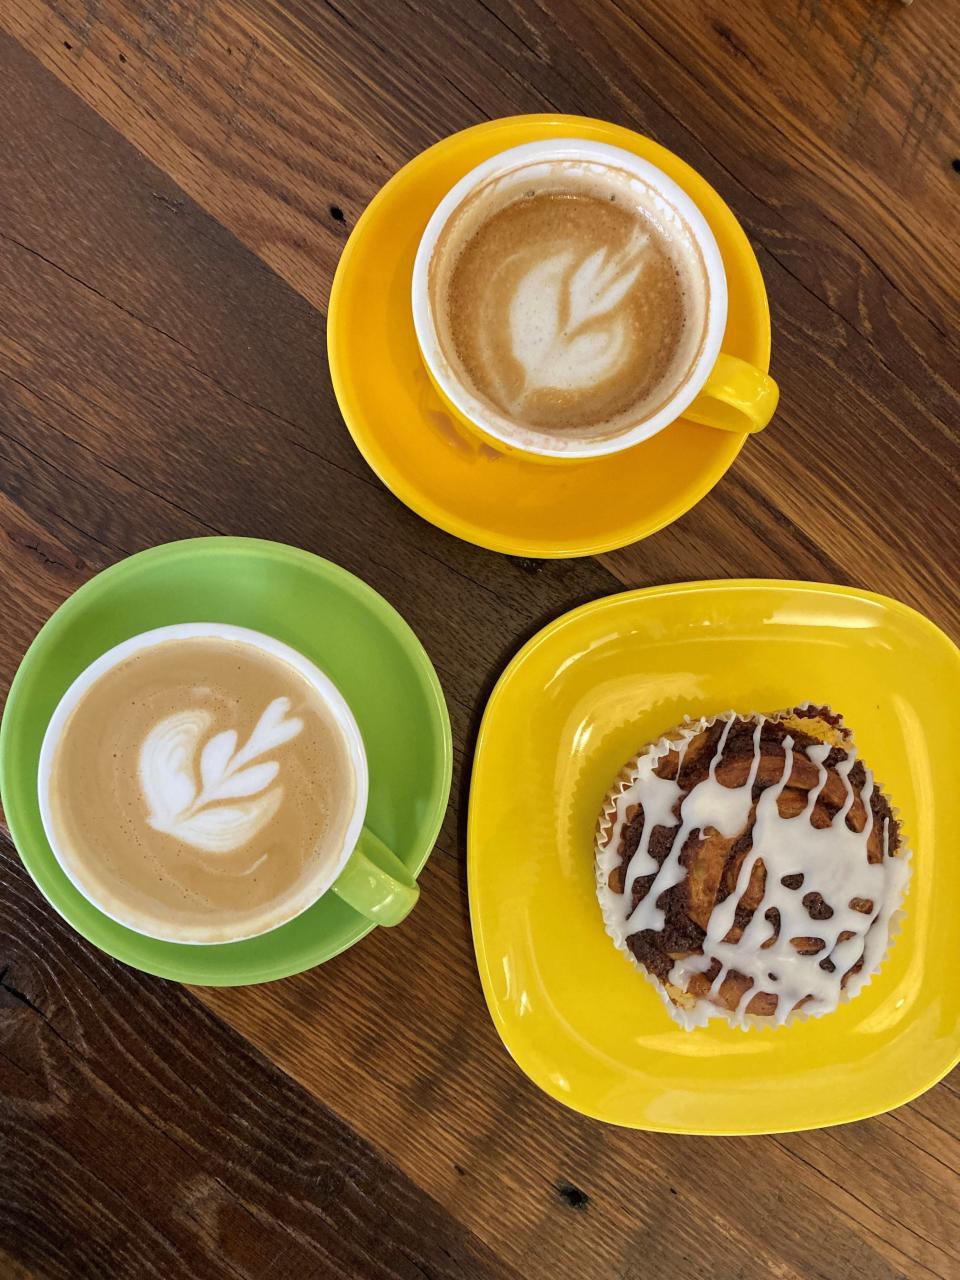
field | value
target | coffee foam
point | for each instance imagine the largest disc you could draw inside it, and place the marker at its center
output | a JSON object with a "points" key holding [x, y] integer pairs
{"points": [[199, 790], [570, 299]]}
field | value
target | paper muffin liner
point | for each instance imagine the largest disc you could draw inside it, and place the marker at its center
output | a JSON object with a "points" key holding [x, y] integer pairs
{"points": [[697, 1011]]}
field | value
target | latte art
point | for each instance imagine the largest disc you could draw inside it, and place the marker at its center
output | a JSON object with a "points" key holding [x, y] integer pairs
{"points": [[569, 318], [200, 788], [206, 819], [569, 299]]}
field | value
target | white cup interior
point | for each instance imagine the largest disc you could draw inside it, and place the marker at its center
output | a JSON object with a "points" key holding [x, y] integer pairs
{"points": [[498, 426], [328, 691]]}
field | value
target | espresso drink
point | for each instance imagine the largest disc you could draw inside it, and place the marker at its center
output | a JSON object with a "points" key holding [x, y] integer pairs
{"points": [[569, 298], [199, 788]]}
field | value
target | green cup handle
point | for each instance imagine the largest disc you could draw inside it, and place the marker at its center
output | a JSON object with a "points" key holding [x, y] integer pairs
{"points": [[376, 883]]}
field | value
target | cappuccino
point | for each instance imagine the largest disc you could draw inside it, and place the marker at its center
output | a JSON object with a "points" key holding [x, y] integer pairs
{"points": [[569, 298], [199, 789]]}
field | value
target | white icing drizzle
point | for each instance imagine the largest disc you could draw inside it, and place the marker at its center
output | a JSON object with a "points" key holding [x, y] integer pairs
{"points": [[832, 860]]}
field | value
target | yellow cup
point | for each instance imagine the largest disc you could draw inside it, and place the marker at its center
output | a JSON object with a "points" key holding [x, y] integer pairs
{"points": [[721, 390]]}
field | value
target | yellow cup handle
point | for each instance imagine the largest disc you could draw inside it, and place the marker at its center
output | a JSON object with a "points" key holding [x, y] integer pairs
{"points": [[735, 397]]}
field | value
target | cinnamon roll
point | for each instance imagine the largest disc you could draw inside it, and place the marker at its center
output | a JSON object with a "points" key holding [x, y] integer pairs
{"points": [[752, 866]]}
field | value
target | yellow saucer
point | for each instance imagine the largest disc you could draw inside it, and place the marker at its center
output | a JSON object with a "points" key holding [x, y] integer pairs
{"points": [[579, 700], [442, 470]]}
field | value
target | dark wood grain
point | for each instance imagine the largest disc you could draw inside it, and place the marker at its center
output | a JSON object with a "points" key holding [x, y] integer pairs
{"points": [[827, 127], [139, 1136], [169, 226]]}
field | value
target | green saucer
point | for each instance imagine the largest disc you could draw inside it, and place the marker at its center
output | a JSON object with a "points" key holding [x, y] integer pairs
{"points": [[334, 619]]}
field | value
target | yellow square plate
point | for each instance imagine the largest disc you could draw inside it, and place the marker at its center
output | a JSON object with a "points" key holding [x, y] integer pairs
{"points": [[579, 700]]}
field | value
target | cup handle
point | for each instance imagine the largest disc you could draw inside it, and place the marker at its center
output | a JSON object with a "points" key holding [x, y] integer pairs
{"points": [[735, 397], [376, 883]]}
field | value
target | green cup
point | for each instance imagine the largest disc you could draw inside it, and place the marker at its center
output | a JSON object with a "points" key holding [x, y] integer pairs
{"points": [[381, 890]]}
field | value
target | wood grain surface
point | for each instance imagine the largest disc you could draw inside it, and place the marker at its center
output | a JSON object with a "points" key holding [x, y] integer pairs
{"points": [[176, 183]]}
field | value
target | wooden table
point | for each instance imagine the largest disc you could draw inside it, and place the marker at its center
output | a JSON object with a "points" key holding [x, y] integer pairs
{"points": [[177, 180]]}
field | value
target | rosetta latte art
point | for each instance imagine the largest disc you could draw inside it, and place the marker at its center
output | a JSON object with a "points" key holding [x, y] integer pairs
{"points": [[569, 302], [204, 787], [238, 793], [568, 319]]}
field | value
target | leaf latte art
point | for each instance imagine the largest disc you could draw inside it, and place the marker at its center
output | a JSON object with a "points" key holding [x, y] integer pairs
{"points": [[569, 301], [205, 819], [569, 320], [203, 786]]}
